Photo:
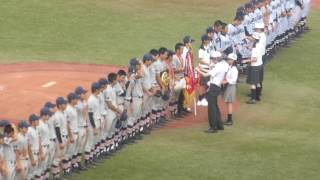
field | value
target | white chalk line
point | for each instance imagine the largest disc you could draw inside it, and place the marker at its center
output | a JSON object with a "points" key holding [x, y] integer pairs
{"points": [[49, 84]]}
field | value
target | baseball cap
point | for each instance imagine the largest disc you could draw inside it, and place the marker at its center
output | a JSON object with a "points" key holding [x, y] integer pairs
{"points": [[103, 81], [259, 26], [187, 39], [232, 56], [215, 54], [210, 30], [147, 57], [23, 124], [80, 90], [45, 111], [60, 101], [134, 62], [33, 117], [256, 35], [205, 37], [49, 105], [95, 86], [4, 123], [72, 96]]}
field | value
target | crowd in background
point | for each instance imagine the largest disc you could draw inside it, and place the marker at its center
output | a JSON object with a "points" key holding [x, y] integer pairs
{"points": [[75, 133]]}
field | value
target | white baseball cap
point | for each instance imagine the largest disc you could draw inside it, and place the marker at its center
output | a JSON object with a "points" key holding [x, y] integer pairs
{"points": [[259, 25], [232, 56], [215, 54], [256, 35]]}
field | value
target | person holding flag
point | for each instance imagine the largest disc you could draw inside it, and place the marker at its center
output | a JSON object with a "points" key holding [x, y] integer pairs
{"points": [[187, 55]]}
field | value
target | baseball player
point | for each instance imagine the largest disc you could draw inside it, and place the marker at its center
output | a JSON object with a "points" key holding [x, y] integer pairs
{"points": [[72, 123], [113, 112], [94, 119], [34, 148], [135, 93], [55, 170], [63, 134], [147, 89], [101, 143], [82, 111], [230, 82], [43, 130], [178, 66], [11, 165], [3, 162], [21, 149], [93, 115], [163, 55], [120, 89]]}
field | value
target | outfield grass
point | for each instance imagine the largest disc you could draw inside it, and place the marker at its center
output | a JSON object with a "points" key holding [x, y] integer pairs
{"points": [[276, 139], [97, 31]]}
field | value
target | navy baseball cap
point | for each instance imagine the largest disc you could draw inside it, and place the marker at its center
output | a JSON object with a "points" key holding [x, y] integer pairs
{"points": [[33, 117], [45, 111], [80, 90], [103, 81], [95, 86], [49, 105], [23, 124], [187, 39], [205, 37], [4, 123], [60, 101], [134, 62], [210, 30], [147, 57], [72, 96]]}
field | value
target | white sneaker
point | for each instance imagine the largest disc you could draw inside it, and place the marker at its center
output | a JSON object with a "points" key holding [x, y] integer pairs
{"points": [[204, 102], [199, 103]]}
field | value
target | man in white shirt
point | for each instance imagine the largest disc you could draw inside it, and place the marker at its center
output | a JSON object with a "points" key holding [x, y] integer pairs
{"points": [[9, 156], [217, 74]]}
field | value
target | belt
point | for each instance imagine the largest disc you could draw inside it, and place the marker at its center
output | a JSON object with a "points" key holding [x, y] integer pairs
{"points": [[84, 126], [36, 153], [140, 97], [120, 104], [53, 140], [46, 145], [76, 133], [24, 159], [12, 162], [65, 136]]}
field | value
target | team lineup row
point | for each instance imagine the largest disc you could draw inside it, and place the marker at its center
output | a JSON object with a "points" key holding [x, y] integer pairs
{"points": [[72, 134]]}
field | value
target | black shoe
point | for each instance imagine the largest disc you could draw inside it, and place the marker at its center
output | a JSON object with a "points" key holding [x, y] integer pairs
{"points": [[210, 130], [221, 128], [228, 123], [251, 101]]}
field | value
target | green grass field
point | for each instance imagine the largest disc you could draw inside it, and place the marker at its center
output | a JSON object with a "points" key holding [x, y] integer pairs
{"points": [[275, 139]]}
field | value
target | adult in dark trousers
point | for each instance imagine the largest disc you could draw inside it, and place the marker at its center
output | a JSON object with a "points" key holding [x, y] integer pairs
{"points": [[217, 75]]}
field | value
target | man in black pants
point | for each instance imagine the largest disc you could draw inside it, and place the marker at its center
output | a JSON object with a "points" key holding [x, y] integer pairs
{"points": [[217, 74]]}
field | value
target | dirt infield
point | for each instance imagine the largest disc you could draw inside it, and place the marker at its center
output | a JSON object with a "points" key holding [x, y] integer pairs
{"points": [[24, 88], [316, 4], [202, 116]]}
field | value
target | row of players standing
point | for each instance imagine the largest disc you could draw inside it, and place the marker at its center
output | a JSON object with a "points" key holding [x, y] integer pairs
{"points": [[82, 128], [259, 27]]}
